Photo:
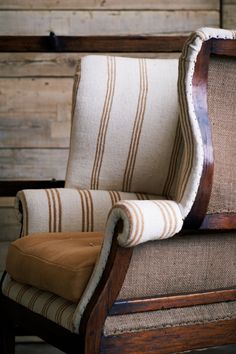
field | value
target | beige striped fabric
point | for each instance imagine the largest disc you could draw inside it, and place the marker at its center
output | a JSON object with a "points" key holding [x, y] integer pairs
{"points": [[49, 305], [124, 125], [146, 220], [65, 209]]}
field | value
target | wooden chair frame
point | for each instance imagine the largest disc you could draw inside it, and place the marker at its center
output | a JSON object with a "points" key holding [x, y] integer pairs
{"points": [[103, 302]]}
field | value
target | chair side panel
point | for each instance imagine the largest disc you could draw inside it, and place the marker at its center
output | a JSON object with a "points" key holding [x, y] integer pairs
{"points": [[222, 113], [181, 265]]}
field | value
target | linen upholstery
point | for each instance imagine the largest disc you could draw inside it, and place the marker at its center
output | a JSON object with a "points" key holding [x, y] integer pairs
{"points": [[222, 113], [60, 263], [193, 151], [185, 316], [67, 209], [181, 265]]}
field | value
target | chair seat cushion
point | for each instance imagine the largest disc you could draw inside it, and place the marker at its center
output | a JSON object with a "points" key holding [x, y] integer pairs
{"points": [[61, 263]]}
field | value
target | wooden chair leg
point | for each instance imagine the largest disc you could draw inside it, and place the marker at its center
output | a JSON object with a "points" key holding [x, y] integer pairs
{"points": [[7, 338]]}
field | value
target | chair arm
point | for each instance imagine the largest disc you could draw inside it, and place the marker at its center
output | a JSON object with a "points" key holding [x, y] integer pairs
{"points": [[145, 220], [62, 209], [129, 223], [66, 209]]}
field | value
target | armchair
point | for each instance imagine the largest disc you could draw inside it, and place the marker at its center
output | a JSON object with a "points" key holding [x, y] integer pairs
{"points": [[140, 165]]}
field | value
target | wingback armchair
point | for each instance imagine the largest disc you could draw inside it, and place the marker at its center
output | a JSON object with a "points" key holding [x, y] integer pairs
{"points": [[96, 269]]}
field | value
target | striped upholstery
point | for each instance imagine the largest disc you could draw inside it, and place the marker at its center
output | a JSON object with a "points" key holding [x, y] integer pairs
{"points": [[146, 220], [124, 124], [47, 304], [65, 209]]}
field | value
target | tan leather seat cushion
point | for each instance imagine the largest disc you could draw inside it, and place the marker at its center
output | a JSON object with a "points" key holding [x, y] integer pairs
{"points": [[61, 263]]}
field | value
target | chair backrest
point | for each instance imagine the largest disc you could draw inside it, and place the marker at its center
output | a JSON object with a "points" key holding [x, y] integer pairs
{"points": [[126, 133], [124, 124]]}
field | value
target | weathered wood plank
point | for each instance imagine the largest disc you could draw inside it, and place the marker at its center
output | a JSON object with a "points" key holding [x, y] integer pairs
{"points": [[229, 15], [33, 163], [9, 231], [35, 112], [55, 64], [104, 22], [9, 225], [229, 2], [3, 253], [7, 202], [109, 4]]}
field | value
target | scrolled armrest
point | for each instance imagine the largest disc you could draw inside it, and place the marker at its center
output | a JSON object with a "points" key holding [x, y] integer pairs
{"points": [[145, 220], [62, 209], [67, 209]]}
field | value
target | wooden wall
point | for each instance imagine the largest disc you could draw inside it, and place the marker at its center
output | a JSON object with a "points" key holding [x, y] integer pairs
{"points": [[35, 89]]}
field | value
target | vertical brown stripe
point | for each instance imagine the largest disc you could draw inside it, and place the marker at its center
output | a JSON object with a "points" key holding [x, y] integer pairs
{"points": [[49, 211], [54, 210], [112, 198], [86, 203], [115, 197], [21, 292], [90, 210], [138, 218], [33, 299], [187, 161], [8, 288], [104, 123], [26, 228], [142, 196], [47, 305], [169, 219], [59, 209], [173, 218], [157, 203], [138, 122], [83, 210], [60, 311]]}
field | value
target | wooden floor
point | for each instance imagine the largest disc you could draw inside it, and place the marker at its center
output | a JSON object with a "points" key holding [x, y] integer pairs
{"points": [[42, 348]]}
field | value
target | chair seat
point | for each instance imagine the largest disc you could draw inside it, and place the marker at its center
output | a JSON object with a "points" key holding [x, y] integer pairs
{"points": [[60, 263]]}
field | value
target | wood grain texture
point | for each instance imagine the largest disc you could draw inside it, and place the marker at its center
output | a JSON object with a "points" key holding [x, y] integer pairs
{"points": [[109, 4], [173, 339], [104, 22], [199, 94], [127, 306], [227, 221], [92, 44], [9, 224], [33, 163], [3, 253], [35, 113], [60, 65], [229, 15]]}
